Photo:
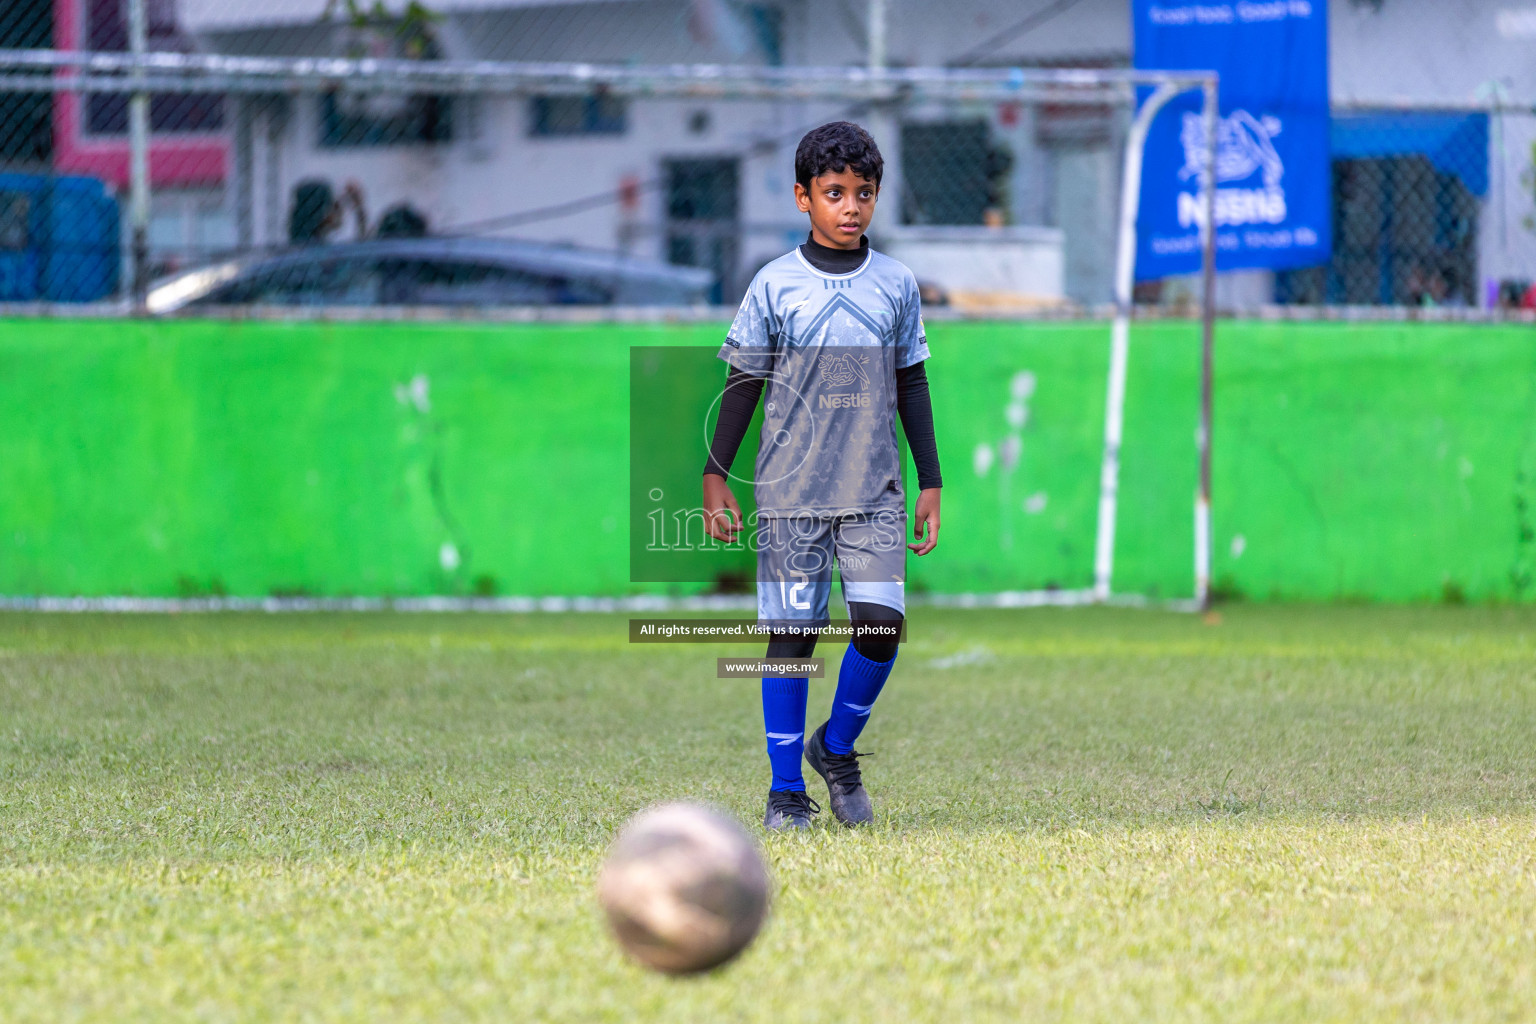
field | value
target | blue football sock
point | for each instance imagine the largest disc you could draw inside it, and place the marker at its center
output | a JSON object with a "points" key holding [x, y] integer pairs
{"points": [[784, 721], [858, 685]]}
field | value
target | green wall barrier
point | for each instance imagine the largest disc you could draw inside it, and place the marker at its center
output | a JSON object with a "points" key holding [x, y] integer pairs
{"points": [[1378, 461]]}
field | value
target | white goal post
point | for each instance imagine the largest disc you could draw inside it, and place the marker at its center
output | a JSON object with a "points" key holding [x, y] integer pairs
{"points": [[1119, 345], [882, 88]]}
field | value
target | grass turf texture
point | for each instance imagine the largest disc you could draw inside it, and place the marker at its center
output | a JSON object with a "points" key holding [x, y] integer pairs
{"points": [[1298, 814]]}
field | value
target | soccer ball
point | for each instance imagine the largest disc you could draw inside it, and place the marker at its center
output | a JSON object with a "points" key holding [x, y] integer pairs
{"points": [[684, 887]]}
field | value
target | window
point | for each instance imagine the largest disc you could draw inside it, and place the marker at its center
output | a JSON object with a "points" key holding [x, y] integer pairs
{"points": [[1408, 188], [107, 114], [1404, 234], [27, 116], [954, 173], [704, 220], [578, 115], [431, 282], [418, 282], [767, 24], [350, 120], [407, 281], [363, 119], [329, 283]]}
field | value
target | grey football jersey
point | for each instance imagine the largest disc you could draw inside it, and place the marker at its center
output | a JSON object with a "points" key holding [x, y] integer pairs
{"points": [[829, 346]]}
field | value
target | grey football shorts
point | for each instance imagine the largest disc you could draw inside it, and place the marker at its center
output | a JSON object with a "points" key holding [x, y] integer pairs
{"points": [[796, 555]]}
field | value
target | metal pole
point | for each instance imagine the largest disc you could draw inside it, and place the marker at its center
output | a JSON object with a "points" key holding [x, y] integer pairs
{"points": [[208, 72], [883, 120], [138, 162], [272, 174], [1119, 337], [245, 173], [876, 31], [1211, 116]]}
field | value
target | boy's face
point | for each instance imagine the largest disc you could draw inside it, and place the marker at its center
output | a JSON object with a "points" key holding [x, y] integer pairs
{"points": [[840, 206]]}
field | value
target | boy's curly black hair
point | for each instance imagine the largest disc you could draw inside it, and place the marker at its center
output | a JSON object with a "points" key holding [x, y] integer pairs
{"points": [[835, 147]]}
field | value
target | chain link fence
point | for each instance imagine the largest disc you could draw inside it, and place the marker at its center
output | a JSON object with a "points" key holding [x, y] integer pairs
{"points": [[1431, 207], [473, 179]]}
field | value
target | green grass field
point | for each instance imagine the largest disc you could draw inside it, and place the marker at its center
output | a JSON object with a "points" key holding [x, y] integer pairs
{"points": [[1297, 814]]}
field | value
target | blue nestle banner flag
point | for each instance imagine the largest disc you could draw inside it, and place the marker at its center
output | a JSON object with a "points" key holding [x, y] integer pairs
{"points": [[1273, 183]]}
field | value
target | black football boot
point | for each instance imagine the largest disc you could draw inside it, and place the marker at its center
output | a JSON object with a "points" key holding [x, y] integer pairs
{"points": [[850, 800], [789, 811]]}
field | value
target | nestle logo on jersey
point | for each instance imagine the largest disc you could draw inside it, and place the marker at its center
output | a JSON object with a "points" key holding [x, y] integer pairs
{"points": [[840, 370], [843, 369]]}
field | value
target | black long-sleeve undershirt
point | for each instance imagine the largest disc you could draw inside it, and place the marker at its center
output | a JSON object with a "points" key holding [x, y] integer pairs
{"points": [[913, 404], [915, 407], [737, 402]]}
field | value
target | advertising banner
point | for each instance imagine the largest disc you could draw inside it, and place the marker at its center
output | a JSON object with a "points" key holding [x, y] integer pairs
{"points": [[1273, 184]]}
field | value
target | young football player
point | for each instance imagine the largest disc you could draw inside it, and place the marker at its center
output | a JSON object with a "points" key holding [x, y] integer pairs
{"points": [[830, 336]]}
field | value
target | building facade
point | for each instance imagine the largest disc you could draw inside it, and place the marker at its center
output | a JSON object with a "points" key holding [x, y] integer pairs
{"points": [[709, 183]]}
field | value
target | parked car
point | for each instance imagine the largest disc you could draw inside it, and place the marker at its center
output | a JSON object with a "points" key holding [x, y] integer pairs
{"points": [[432, 272]]}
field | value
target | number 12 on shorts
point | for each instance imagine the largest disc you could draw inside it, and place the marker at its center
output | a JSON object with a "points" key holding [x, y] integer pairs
{"points": [[793, 597]]}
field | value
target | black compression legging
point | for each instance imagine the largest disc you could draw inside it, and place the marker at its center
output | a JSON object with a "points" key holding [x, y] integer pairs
{"points": [[877, 647]]}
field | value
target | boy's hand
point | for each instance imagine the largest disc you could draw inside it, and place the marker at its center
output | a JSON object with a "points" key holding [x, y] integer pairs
{"points": [[925, 520], [722, 513]]}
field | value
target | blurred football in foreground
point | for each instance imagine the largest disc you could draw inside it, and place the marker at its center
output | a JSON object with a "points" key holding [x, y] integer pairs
{"points": [[684, 887]]}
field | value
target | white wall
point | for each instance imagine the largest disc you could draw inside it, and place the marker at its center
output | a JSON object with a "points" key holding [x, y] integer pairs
{"points": [[504, 169], [1427, 50], [495, 166], [1507, 243]]}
